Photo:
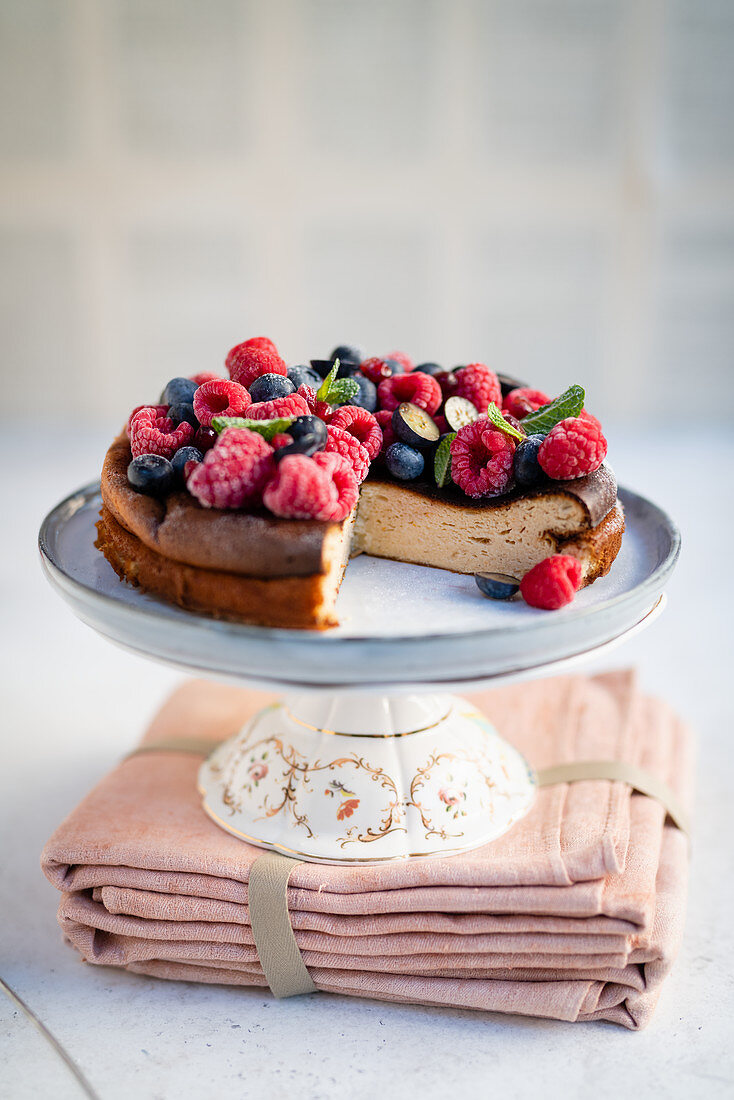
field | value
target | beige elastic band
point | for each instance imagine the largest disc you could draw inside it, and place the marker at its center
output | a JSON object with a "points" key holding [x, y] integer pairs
{"points": [[280, 957]]}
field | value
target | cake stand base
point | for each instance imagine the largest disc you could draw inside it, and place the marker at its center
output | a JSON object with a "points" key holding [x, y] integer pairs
{"points": [[367, 778]]}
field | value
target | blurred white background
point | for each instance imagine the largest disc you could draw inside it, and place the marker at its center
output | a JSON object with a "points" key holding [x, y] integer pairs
{"points": [[544, 185]]}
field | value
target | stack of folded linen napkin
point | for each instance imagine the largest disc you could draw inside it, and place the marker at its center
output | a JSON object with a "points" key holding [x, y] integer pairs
{"points": [[575, 914]]}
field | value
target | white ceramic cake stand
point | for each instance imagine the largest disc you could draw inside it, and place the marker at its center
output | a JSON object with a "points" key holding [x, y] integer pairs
{"points": [[368, 756]]}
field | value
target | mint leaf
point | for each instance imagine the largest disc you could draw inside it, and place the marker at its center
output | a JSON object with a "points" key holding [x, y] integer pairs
{"points": [[570, 403], [494, 414], [322, 392], [266, 428], [337, 391], [442, 461]]}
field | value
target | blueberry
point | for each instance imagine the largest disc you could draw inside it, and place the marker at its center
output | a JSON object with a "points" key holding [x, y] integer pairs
{"points": [[269, 386], [304, 376], [309, 428], [182, 456], [496, 586], [309, 445], [404, 462], [395, 366], [429, 368], [347, 353], [150, 474], [179, 391], [413, 425], [526, 466], [180, 412], [366, 396], [321, 366]]}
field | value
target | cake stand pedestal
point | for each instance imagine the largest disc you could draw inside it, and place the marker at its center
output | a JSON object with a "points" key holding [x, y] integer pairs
{"points": [[369, 756]]}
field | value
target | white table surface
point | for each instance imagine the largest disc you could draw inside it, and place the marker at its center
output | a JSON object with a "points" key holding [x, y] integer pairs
{"points": [[72, 704]]}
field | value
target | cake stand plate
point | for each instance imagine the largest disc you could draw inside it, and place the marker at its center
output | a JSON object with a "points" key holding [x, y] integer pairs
{"points": [[368, 758]]}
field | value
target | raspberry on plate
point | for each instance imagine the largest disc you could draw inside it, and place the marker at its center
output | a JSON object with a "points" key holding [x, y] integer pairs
{"points": [[552, 583], [233, 473], [160, 410], [319, 408], [246, 363], [573, 448], [293, 405], [376, 370], [419, 389], [482, 458], [219, 397], [344, 443], [521, 401], [151, 434], [480, 385], [342, 474], [405, 361], [362, 425], [204, 376], [384, 419], [301, 489]]}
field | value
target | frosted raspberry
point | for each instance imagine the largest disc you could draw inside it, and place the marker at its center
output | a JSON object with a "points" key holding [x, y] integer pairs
{"points": [[160, 410], [151, 434], [344, 443], [293, 405], [204, 376], [481, 459], [584, 415], [405, 361], [234, 473], [245, 364], [573, 448], [316, 407], [521, 401], [345, 483], [301, 489], [362, 425], [480, 385], [421, 389], [384, 419], [262, 342], [552, 583], [220, 397]]}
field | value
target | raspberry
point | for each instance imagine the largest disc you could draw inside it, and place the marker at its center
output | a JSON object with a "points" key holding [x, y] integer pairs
{"points": [[345, 444], [234, 473], [219, 397], [521, 401], [384, 419], [160, 410], [573, 448], [481, 459], [344, 481], [480, 385], [376, 370], [552, 583], [584, 415], [204, 376], [282, 439], [245, 364], [316, 407], [421, 389], [362, 425], [405, 361], [293, 405], [301, 489], [151, 434]]}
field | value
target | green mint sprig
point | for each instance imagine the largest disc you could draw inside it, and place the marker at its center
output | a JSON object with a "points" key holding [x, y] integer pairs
{"points": [[570, 403], [337, 391], [496, 417], [266, 428], [442, 461]]}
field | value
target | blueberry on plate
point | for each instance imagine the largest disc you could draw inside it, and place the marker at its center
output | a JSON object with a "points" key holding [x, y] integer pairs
{"points": [[309, 427], [180, 412], [497, 586], [459, 412], [347, 353], [404, 462], [526, 467], [181, 457], [366, 395], [429, 368], [151, 474], [179, 391], [304, 376], [413, 425], [269, 386]]}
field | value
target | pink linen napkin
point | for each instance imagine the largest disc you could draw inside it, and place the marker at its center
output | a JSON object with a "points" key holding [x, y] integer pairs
{"points": [[575, 914]]}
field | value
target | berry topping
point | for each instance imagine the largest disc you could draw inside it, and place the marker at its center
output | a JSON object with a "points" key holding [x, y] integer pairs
{"points": [[180, 412], [160, 410], [420, 389], [255, 343], [319, 408], [345, 483], [269, 386], [205, 439], [447, 381], [157, 435], [306, 436], [301, 489], [234, 473], [151, 474], [573, 448], [384, 419], [204, 376], [366, 395], [430, 368], [404, 360], [347, 353], [480, 385], [344, 443], [304, 376], [245, 363], [552, 583], [521, 401], [404, 462], [182, 457], [481, 459], [413, 425], [496, 586], [376, 370], [362, 425], [281, 440], [526, 466], [459, 412], [179, 391], [220, 398], [294, 405]]}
